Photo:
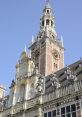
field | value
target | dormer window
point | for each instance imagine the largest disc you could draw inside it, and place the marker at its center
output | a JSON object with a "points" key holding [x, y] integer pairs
{"points": [[47, 22]]}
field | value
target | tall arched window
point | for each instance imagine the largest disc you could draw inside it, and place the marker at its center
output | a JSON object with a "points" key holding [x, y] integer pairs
{"points": [[42, 23], [52, 23], [47, 22]]}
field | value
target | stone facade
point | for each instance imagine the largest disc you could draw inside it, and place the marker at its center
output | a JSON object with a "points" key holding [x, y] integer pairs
{"points": [[43, 86]]}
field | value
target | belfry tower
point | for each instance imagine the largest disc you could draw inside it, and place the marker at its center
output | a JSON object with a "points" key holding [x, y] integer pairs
{"points": [[47, 51]]}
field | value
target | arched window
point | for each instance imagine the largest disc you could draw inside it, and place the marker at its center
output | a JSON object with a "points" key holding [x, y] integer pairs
{"points": [[42, 23], [47, 11], [52, 23], [47, 22]]}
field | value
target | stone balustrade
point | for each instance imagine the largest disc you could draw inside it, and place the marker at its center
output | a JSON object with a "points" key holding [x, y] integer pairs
{"points": [[32, 103], [63, 91], [60, 92]]}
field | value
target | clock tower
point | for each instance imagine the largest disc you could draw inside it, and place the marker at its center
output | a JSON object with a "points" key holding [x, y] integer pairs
{"points": [[47, 51]]}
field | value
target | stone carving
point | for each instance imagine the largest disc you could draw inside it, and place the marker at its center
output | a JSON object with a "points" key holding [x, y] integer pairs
{"points": [[55, 82], [4, 103], [70, 76], [32, 68], [40, 85]]}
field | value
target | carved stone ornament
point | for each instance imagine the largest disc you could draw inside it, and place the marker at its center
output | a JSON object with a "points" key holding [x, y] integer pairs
{"points": [[40, 85], [70, 76], [55, 82]]}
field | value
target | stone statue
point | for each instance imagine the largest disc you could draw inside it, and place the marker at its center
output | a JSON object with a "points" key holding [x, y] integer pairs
{"points": [[40, 85], [70, 76], [55, 82]]}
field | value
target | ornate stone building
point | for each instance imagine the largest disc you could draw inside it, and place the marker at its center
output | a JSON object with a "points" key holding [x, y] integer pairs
{"points": [[43, 86]]}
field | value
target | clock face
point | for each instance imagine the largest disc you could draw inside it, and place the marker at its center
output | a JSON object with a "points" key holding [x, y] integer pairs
{"points": [[55, 54]]}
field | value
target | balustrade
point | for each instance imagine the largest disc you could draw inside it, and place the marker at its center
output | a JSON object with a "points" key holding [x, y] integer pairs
{"points": [[59, 92], [62, 91]]}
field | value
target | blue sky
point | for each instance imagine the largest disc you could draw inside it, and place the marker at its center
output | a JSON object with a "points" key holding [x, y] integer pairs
{"points": [[19, 20]]}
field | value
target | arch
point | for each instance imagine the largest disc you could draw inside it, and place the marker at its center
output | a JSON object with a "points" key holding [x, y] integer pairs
{"points": [[47, 11], [52, 23], [43, 23], [47, 22]]}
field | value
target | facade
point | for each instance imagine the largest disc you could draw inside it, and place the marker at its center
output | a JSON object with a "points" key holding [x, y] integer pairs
{"points": [[43, 86]]}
